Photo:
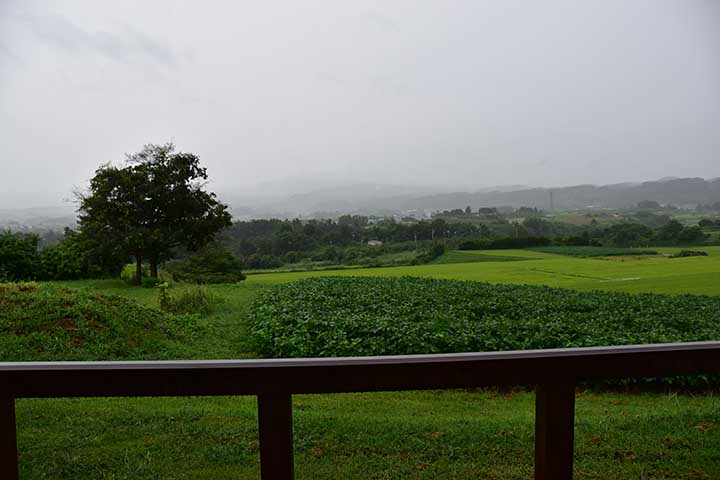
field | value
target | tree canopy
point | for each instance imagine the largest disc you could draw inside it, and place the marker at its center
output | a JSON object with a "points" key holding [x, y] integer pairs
{"points": [[151, 206]]}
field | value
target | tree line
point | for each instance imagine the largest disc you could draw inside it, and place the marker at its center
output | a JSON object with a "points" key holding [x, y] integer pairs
{"points": [[154, 208]]}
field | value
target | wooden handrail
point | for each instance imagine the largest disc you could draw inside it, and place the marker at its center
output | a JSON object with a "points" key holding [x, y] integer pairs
{"points": [[273, 381]]}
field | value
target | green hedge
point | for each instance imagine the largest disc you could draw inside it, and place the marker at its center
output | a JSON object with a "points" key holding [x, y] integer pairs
{"points": [[587, 251]]}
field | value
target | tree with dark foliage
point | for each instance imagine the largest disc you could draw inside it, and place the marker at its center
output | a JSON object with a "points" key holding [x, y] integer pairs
{"points": [[152, 206], [18, 256]]}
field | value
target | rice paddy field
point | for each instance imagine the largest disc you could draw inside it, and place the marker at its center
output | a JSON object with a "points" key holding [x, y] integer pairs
{"points": [[417, 435], [631, 273]]}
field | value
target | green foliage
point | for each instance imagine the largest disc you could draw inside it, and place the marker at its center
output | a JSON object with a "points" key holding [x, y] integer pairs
{"points": [[689, 253], [460, 434], [649, 205], [435, 251], [581, 251], [69, 259], [709, 223], [329, 240], [151, 206], [44, 322], [504, 243], [473, 245], [346, 316], [258, 261], [213, 264], [539, 227], [18, 256], [675, 233], [459, 256], [192, 300], [151, 282], [628, 235], [127, 274]]}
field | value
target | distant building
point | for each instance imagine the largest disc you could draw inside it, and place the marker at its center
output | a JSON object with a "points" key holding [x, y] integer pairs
{"points": [[374, 243]]}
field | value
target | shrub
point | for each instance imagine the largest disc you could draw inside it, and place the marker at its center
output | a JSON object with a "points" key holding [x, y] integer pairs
{"points": [[473, 245], [587, 251], [689, 253], [193, 300], [292, 257], [18, 256], [150, 282], [127, 273], [74, 257], [258, 261], [436, 250], [213, 264], [504, 243]]}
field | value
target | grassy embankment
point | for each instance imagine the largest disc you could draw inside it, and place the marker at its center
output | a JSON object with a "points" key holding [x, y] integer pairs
{"points": [[385, 435]]}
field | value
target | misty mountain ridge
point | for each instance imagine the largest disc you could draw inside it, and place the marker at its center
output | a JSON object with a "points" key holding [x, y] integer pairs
{"points": [[372, 199], [377, 199]]}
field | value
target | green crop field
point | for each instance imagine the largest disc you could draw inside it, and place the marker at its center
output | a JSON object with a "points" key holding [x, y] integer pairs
{"points": [[351, 316], [661, 274], [423, 435]]}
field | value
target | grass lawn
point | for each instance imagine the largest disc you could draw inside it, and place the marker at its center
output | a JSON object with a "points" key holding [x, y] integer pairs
{"points": [[445, 434]]}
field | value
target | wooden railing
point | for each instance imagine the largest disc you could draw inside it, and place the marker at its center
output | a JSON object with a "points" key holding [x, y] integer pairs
{"points": [[554, 372]]}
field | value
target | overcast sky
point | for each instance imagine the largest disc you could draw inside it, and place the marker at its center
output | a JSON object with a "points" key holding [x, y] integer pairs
{"points": [[451, 94]]}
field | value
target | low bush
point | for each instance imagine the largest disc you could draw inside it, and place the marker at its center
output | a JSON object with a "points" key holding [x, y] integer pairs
{"points": [[18, 256], [44, 322], [127, 274], [190, 300], [436, 250], [213, 264], [689, 253], [347, 316], [589, 251], [473, 245], [151, 282], [504, 243]]}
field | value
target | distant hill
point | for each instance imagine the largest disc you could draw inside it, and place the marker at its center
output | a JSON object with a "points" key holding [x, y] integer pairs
{"points": [[370, 199], [375, 199], [676, 191], [38, 218]]}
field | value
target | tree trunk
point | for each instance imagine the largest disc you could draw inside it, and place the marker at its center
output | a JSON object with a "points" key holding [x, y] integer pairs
{"points": [[138, 269], [153, 267]]}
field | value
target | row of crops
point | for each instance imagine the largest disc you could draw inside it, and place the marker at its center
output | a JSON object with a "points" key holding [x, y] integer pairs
{"points": [[586, 251], [347, 316]]}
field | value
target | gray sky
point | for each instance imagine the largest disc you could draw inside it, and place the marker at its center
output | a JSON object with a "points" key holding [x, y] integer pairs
{"points": [[451, 94]]}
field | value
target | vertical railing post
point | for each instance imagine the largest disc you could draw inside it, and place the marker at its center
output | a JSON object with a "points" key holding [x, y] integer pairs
{"points": [[276, 436], [554, 431], [8, 440]]}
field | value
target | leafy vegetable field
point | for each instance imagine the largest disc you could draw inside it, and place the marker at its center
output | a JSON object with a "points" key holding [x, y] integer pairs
{"points": [[346, 316]]}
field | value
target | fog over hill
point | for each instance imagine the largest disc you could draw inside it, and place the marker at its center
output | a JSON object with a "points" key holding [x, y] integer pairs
{"points": [[338, 102], [378, 199], [38, 218], [369, 199]]}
